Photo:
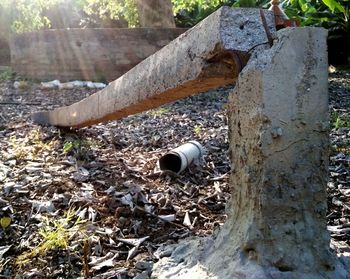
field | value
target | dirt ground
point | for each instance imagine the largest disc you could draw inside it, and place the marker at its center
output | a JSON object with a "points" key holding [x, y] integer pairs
{"points": [[93, 202]]}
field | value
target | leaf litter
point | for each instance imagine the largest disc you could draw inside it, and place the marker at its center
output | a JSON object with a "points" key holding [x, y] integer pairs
{"points": [[93, 202]]}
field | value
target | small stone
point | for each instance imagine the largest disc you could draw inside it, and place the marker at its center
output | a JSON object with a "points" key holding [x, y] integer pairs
{"points": [[276, 132], [345, 192], [142, 275], [11, 163], [336, 202], [43, 206], [144, 265], [20, 84]]}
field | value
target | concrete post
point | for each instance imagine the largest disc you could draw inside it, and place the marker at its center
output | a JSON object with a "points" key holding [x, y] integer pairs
{"points": [[276, 225], [207, 56]]}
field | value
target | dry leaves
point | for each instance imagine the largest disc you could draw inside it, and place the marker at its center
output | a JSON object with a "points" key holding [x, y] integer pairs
{"points": [[101, 188]]}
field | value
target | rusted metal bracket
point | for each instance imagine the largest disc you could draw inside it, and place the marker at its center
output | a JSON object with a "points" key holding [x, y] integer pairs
{"points": [[268, 34]]}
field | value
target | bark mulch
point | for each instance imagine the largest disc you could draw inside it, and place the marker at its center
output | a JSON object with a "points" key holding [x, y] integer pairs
{"points": [[93, 202]]}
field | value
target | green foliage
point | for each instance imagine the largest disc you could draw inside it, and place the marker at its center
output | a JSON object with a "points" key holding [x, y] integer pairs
{"points": [[116, 10], [55, 234], [190, 12], [334, 6], [30, 146], [251, 3], [331, 14], [339, 121], [188, 5], [26, 15], [5, 222], [76, 145], [80, 149], [68, 146], [197, 130], [6, 75], [342, 146], [29, 15], [159, 111]]}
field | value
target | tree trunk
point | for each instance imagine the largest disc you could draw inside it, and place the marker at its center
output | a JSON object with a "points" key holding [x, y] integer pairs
{"points": [[155, 13], [278, 124]]}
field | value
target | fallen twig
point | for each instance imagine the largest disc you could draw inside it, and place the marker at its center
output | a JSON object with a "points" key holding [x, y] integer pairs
{"points": [[20, 104], [160, 218]]}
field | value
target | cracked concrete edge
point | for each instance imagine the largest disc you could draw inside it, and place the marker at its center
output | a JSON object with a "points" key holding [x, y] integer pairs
{"points": [[209, 55]]}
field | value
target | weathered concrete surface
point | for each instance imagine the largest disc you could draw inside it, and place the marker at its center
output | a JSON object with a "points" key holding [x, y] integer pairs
{"points": [[87, 54], [155, 13], [278, 124], [209, 55], [4, 52]]}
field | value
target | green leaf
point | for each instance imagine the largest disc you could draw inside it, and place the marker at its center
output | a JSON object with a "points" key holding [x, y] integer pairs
{"points": [[68, 146], [303, 5], [5, 222], [246, 3], [334, 5]]}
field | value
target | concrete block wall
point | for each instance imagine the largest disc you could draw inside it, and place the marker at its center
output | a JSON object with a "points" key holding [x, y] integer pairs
{"points": [[89, 54]]}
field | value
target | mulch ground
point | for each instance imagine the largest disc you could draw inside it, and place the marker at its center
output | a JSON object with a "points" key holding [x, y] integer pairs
{"points": [[93, 202]]}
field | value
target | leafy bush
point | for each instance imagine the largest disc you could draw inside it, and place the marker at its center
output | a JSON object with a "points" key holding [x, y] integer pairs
{"points": [[28, 15], [331, 14], [112, 9], [7, 74], [338, 120], [190, 12]]}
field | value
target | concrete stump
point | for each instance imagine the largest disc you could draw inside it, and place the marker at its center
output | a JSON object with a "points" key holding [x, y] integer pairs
{"points": [[276, 224]]}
